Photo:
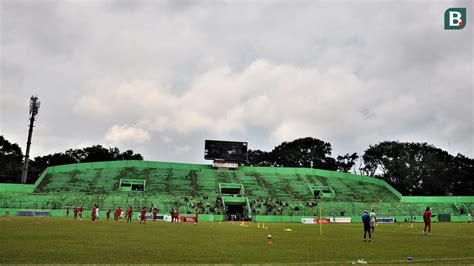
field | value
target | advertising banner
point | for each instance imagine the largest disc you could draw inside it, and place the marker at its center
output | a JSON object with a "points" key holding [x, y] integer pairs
{"points": [[385, 220], [189, 219], [340, 219], [315, 220], [149, 217]]}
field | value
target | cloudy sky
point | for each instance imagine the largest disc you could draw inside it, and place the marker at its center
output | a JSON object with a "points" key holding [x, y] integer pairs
{"points": [[160, 77]]}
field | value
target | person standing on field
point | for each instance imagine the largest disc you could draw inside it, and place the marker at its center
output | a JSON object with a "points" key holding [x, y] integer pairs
{"points": [[94, 214], [469, 217], [79, 213], [143, 216], [117, 213], [373, 220], [154, 213], [366, 222], [427, 220], [129, 214]]}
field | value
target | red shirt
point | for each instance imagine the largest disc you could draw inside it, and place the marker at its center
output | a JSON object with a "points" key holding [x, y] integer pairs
{"points": [[154, 212], [93, 211], [129, 212], [108, 213], [427, 216], [143, 213]]}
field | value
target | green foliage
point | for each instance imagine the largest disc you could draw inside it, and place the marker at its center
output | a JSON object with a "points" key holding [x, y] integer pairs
{"points": [[346, 162], [95, 153], [11, 160], [304, 152], [420, 169]]}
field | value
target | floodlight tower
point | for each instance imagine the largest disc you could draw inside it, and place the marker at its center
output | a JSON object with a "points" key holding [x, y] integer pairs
{"points": [[34, 107]]}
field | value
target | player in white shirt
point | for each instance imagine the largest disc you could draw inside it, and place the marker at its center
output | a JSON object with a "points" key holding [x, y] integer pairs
{"points": [[373, 220]]}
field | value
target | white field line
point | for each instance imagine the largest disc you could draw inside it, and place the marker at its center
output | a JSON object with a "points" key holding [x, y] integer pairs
{"points": [[381, 261]]}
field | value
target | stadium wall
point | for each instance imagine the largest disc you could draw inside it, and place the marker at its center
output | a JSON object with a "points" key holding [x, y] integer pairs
{"points": [[257, 218], [87, 214], [16, 188]]}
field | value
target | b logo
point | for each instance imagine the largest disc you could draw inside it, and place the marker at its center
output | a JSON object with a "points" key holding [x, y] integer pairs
{"points": [[455, 18]]}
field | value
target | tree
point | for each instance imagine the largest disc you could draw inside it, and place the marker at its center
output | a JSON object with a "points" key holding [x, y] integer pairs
{"points": [[259, 158], [419, 168], [95, 153], [11, 161], [346, 162], [304, 152]]}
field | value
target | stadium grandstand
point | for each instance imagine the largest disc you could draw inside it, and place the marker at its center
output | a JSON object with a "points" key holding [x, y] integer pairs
{"points": [[262, 194]]}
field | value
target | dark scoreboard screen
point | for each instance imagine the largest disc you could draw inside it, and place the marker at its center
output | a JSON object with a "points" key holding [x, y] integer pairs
{"points": [[225, 150]]}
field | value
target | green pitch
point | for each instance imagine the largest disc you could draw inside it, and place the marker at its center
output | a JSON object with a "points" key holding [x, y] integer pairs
{"points": [[57, 240]]}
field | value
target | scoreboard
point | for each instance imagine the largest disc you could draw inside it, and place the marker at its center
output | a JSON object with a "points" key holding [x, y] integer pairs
{"points": [[225, 150]]}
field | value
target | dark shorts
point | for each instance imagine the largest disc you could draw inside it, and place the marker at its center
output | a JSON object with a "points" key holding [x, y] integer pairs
{"points": [[143, 218]]}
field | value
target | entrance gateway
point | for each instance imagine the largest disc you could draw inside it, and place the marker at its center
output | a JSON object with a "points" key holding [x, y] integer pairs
{"points": [[226, 155]]}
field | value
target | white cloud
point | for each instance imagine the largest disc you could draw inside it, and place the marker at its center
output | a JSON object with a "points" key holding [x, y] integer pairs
{"points": [[348, 73], [124, 133]]}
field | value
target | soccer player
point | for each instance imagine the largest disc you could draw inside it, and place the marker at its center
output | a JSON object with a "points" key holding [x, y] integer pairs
{"points": [[97, 212], [196, 218], [427, 219], [172, 215], [373, 220], [67, 212], [76, 210], [469, 217], [117, 213], [79, 213], [155, 213], [94, 214], [143, 216], [107, 213], [176, 215], [129, 214], [366, 222]]}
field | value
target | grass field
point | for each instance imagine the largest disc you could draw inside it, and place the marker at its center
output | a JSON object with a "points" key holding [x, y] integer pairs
{"points": [[58, 240]]}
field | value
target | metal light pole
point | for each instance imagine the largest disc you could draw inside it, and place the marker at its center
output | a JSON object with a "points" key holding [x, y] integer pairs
{"points": [[34, 107]]}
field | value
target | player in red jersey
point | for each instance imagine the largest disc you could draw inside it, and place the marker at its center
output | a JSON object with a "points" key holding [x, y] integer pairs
{"points": [[76, 210], [155, 213], [117, 213], [107, 213], [143, 215], [427, 220], [176, 215], [129, 214], [94, 214]]}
